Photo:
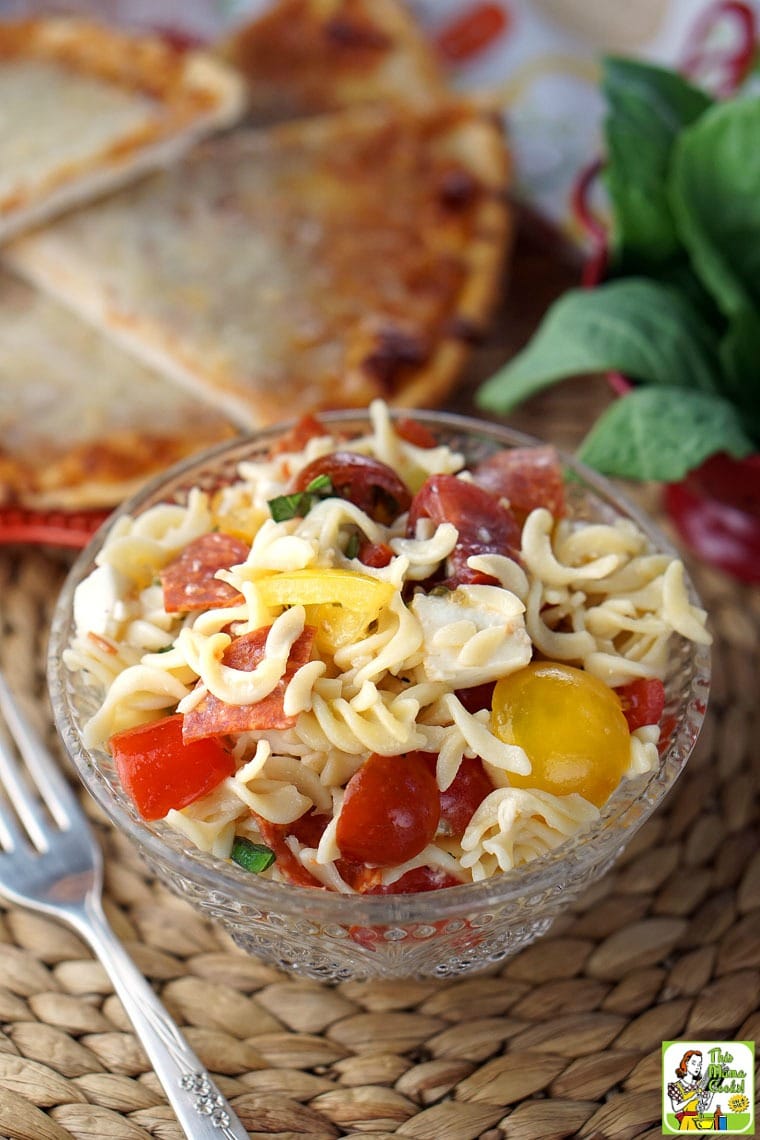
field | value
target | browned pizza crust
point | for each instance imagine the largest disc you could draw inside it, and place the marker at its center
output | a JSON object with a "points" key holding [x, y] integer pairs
{"points": [[82, 423], [87, 108], [319, 263], [307, 56]]}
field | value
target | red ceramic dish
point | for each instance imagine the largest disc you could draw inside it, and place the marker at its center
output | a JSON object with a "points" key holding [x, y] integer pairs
{"points": [[49, 528], [716, 508]]}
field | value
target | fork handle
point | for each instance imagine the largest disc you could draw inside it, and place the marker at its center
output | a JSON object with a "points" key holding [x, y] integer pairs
{"points": [[199, 1106]]}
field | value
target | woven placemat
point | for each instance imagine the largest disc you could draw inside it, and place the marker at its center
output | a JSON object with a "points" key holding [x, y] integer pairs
{"points": [[561, 1040]]}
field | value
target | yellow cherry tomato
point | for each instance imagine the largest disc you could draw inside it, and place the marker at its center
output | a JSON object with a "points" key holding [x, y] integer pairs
{"points": [[341, 604], [571, 726]]}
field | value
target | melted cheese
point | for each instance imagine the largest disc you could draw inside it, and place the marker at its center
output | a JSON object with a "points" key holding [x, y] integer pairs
{"points": [[316, 264], [81, 421], [49, 113]]}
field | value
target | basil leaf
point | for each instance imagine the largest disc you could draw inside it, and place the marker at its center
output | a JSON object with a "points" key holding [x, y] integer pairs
{"points": [[320, 484], [353, 544], [634, 326], [715, 198], [648, 107], [299, 503], [740, 356], [293, 506], [254, 857], [662, 433]]}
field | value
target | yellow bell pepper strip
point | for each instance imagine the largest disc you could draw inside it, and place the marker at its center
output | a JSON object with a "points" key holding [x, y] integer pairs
{"points": [[341, 604]]}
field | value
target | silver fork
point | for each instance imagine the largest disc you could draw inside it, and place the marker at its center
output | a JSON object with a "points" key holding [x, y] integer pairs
{"points": [[50, 862]]}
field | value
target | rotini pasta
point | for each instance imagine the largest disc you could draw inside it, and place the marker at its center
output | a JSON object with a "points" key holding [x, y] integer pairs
{"points": [[346, 651]]}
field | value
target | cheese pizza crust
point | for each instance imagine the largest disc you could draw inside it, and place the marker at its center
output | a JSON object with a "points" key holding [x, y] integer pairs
{"points": [[315, 264], [84, 108], [82, 423], [304, 57]]}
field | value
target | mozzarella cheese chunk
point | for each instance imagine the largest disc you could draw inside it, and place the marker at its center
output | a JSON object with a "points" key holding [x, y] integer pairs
{"points": [[472, 635]]}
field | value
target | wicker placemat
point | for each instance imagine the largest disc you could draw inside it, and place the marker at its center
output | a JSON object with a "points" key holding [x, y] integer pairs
{"points": [[562, 1040]]}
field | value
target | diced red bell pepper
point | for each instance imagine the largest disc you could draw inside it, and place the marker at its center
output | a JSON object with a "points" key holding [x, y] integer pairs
{"points": [[159, 771], [643, 701]]}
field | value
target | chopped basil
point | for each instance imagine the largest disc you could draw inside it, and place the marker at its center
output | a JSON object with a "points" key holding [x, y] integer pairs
{"points": [[254, 857], [352, 545], [299, 503]]}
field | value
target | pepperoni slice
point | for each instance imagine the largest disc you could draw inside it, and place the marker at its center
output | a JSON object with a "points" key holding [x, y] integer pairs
{"points": [[373, 486], [189, 583], [416, 880], [528, 477], [485, 526], [214, 717], [308, 427], [273, 834], [416, 433]]}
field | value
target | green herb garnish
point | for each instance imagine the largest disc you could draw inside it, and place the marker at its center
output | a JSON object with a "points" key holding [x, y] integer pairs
{"points": [[299, 503], [680, 312], [352, 545], [254, 857]]}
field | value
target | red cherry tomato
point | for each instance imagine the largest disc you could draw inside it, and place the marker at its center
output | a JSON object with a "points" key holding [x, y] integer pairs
{"points": [[528, 477], [464, 794], [309, 828], [373, 486], [375, 554], [159, 771], [484, 525], [390, 811], [478, 697], [643, 701], [469, 788]]}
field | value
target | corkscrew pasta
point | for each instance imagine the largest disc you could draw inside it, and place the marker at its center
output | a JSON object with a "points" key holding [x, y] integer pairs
{"points": [[321, 636]]}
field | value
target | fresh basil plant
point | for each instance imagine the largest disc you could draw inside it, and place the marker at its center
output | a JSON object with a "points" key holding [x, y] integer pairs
{"points": [[679, 314]]}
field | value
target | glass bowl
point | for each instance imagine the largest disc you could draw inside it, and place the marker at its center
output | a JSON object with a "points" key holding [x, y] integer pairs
{"points": [[323, 935]]}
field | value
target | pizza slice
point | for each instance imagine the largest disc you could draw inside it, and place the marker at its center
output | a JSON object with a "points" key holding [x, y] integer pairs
{"points": [[84, 108], [315, 264], [82, 423], [303, 57]]}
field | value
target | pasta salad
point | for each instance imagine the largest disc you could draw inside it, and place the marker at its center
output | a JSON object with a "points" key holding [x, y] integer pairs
{"points": [[363, 666]]}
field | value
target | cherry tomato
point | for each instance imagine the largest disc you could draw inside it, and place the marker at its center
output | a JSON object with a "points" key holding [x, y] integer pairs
{"points": [[309, 828], [464, 794], [571, 726], [484, 525], [390, 811], [371, 485], [528, 477], [375, 554], [467, 791], [643, 701], [478, 697], [159, 771]]}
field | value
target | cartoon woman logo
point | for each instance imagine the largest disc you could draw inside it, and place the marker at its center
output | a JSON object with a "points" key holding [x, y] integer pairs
{"points": [[689, 1094]]}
